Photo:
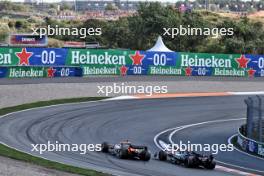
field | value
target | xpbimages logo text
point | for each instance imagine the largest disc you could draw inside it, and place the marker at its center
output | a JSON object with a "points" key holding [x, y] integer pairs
{"points": [[126, 89], [65, 31], [60, 147], [197, 31], [189, 146]]}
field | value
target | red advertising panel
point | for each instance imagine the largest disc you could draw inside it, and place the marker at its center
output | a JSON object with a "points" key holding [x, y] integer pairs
{"points": [[71, 44]]}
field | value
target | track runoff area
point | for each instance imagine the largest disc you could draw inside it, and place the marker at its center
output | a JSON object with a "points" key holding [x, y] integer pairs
{"points": [[197, 117]]}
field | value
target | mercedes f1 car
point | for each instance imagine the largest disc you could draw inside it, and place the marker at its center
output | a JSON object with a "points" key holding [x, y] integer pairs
{"points": [[125, 150], [187, 158]]}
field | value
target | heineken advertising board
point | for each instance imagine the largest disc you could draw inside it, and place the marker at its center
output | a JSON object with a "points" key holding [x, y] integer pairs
{"points": [[39, 72], [255, 65], [113, 62], [161, 63], [203, 64], [99, 62], [33, 56], [130, 62]]}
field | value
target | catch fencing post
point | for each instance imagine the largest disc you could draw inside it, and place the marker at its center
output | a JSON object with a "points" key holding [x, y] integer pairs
{"points": [[249, 103], [260, 119]]}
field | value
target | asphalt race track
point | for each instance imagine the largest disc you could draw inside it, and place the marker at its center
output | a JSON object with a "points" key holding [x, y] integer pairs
{"points": [[104, 79], [137, 120]]}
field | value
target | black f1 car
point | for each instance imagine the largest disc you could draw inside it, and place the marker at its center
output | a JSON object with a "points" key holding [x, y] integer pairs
{"points": [[186, 158], [125, 150]]}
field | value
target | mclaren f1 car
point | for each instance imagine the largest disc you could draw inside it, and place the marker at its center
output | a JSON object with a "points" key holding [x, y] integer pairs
{"points": [[126, 150]]}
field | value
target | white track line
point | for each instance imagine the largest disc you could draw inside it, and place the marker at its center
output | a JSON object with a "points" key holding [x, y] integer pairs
{"points": [[230, 170], [201, 123], [247, 93], [124, 97]]}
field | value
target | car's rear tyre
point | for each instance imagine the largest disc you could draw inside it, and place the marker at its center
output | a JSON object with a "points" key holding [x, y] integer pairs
{"points": [[189, 162], [145, 156], [162, 155], [122, 154], [210, 166], [105, 147]]}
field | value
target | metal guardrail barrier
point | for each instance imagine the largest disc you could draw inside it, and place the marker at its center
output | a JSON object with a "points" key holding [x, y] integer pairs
{"points": [[251, 135], [249, 145]]}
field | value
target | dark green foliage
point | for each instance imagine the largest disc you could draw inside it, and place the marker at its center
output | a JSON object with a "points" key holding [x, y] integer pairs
{"points": [[140, 31]]}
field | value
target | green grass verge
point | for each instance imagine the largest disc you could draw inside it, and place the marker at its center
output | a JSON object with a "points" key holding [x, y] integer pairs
{"points": [[14, 154]]}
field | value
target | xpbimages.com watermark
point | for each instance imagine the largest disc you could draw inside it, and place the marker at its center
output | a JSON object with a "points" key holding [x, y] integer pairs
{"points": [[212, 148], [58, 31], [59, 147], [125, 89], [84, 148], [196, 31]]}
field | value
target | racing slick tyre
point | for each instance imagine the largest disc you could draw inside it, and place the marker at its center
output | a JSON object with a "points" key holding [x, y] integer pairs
{"points": [[122, 154], [145, 156], [210, 165], [105, 147], [162, 155], [189, 162]]}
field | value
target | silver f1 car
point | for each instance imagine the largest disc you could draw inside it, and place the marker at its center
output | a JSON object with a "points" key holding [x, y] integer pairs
{"points": [[125, 150], [186, 158]]}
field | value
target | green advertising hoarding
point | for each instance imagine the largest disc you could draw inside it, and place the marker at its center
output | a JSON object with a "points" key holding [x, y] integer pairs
{"points": [[39, 72], [229, 72], [205, 64], [207, 60], [8, 56], [131, 62], [99, 62], [27, 72], [165, 70], [101, 70], [216, 64]]}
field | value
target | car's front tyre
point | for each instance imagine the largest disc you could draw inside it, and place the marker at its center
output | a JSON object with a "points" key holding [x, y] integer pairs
{"points": [[122, 154], [162, 155], [105, 147]]}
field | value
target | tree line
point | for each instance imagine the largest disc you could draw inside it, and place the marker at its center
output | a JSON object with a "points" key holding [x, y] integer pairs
{"points": [[141, 30]]}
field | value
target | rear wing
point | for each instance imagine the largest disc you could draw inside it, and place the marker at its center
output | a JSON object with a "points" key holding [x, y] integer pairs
{"points": [[139, 147]]}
